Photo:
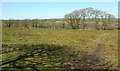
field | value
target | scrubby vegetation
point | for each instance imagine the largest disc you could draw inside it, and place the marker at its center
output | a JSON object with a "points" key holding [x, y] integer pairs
{"points": [[87, 18], [58, 49]]}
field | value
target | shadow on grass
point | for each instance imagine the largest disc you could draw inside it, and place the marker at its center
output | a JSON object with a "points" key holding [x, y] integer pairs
{"points": [[35, 57], [45, 57]]}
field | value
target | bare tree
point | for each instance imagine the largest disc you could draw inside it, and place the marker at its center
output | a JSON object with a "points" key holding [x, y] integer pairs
{"points": [[89, 15], [96, 19], [111, 21], [36, 23], [25, 23], [9, 23], [83, 15], [73, 18]]}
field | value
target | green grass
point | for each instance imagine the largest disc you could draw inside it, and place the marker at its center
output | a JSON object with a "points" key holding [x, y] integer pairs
{"points": [[57, 46]]}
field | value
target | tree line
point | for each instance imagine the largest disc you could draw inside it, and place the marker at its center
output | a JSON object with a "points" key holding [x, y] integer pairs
{"points": [[87, 18]]}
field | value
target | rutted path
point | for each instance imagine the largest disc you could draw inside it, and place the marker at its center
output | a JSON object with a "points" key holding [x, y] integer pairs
{"points": [[93, 59]]}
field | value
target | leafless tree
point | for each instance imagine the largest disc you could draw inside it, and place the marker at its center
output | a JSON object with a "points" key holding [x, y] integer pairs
{"points": [[73, 18]]}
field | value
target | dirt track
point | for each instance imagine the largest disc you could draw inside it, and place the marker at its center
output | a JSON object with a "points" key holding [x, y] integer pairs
{"points": [[93, 59]]}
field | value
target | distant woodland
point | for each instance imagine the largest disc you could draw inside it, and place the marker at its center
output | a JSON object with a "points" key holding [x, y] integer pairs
{"points": [[87, 18]]}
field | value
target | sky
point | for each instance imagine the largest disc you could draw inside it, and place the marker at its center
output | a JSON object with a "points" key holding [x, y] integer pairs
{"points": [[59, 0], [47, 10]]}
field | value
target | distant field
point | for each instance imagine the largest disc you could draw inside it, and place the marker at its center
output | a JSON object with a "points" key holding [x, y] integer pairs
{"points": [[57, 48]]}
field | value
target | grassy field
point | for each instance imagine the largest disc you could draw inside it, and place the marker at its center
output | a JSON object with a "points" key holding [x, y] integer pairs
{"points": [[57, 48]]}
